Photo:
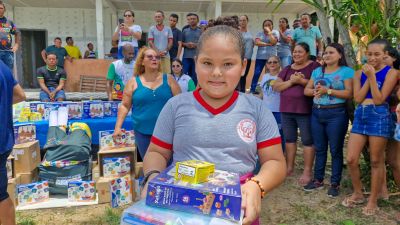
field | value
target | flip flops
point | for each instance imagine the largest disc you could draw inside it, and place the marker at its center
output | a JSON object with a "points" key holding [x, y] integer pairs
{"points": [[350, 203]]}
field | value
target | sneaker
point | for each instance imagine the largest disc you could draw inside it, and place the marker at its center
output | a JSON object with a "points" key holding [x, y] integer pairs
{"points": [[314, 185], [333, 191]]}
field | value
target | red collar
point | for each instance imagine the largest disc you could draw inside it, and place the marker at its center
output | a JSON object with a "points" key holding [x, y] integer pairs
{"points": [[160, 27], [215, 111]]}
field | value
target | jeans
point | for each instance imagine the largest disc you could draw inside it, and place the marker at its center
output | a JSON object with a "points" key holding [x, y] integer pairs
{"points": [[329, 127], [260, 64], [121, 56], [44, 97], [142, 142], [189, 68], [8, 58], [3, 175], [242, 82], [278, 119], [285, 61]]}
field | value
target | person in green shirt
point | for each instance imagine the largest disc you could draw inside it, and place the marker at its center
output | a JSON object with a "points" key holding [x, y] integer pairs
{"points": [[119, 73], [185, 81]]}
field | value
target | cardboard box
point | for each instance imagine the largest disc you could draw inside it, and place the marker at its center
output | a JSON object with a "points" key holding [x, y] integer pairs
{"points": [[194, 171], [121, 190], [107, 142], [24, 133], [111, 108], [103, 189], [27, 157], [50, 106], [33, 193], [75, 110], [31, 177], [116, 166], [139, 170], [81, 191], [38, 107], [96, 173], [12, 189], [10, 167], [93, 109], [119, 152], [219, 197]]}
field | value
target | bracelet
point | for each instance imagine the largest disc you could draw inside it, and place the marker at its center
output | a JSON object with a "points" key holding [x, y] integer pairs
{"points": [[263, 193], [147, 176]]}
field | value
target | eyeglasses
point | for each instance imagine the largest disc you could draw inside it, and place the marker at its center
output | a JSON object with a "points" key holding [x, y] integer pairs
{"points": [[176, 66], [153, 57], [127, 15], [272, 62]]}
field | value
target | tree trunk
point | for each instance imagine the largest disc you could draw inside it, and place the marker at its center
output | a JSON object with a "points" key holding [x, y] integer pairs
{"points": [[324, 23]]}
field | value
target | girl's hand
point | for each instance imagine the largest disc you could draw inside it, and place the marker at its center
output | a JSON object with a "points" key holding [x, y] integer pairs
{"points": [[267, 30], [368, 70], [251, 202], [321, 90], [117, 135]]}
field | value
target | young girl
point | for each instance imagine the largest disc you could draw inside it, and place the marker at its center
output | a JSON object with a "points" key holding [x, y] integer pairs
{"points": [[220, 125], [372, 123], [271, 98], [330, 85], [284, 44], [185, 82]]}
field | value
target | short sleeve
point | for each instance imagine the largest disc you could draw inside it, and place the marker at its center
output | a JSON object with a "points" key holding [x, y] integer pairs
{"points": [[267, 128], [48, 49], [179, 35], [65, 53], [294, 34], [275, 33], [151, 35], [259, 36], [164, 130], [315, 73], [111, 72], [283, 73], [318, 34], [170, 35], [63, 75], [137, 28], [191, 85], [348, 73], [116, 29], [39, 73], [13, 28]]}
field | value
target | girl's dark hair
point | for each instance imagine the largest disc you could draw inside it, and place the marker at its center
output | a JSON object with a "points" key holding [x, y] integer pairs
{"points": [[305, 46], [392, 52], [339, 48], [287, 22], [232, 21], [267, 21], [177, 60], [380, 41], [227, 31]]}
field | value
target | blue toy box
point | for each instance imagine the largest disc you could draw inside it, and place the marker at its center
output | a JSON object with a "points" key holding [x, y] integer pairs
{"points": [[220, 197], [50, 106], [93, 109], [25, 132], [111, 109]]}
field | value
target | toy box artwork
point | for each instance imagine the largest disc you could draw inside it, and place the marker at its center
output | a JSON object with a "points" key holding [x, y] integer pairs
{"points": [[24, 133], [219, 197], [194, 171], [75, 110], [33, 193], [9, 168], [51, 106], [38, 107], [140, 213], [111, 109], [116, 167], [107, 142], [93, 109], [121, 191], [81, 191]]}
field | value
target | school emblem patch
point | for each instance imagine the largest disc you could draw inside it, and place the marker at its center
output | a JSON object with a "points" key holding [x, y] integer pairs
{"points": [[246, 129]]}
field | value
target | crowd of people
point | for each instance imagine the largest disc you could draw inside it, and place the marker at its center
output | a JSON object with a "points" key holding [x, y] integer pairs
{"points": [[196, 108]]}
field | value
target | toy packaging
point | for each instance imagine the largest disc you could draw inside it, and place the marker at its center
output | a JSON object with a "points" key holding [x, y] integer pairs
{"points": [[33, 193], [24, 133], [81, 191], [17, 109], [93, 109], [107, 141], [194, 171], [116, 167], [38, 107], [10, 167], [140, 213], [219, 197], [75, 110], [121, 191], [111, 108], [52, 106]]}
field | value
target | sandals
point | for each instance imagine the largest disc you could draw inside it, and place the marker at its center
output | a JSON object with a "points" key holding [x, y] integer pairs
{"points": [[370, 212], [350, 203]]}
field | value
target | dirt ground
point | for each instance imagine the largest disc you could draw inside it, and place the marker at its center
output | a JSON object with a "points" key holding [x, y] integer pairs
{"points": [[288, 204]]}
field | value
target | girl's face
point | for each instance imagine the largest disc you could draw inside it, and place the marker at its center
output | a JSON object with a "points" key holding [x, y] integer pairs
{"points": [[331, 56], [299, 55], [151, 59], [219, 67], [268, 24], [243, 22], [282, 23], [273, 64], [176, 67], [375, 55]]}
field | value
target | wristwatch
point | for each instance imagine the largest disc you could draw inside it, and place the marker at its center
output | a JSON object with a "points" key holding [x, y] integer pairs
{"points": [[329, 92]]}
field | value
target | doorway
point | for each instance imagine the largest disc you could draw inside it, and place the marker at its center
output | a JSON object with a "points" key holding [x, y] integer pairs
{"points": [[30, 58]]}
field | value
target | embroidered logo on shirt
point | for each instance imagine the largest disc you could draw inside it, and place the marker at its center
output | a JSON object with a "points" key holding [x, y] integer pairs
{"points": [[246, 129]]}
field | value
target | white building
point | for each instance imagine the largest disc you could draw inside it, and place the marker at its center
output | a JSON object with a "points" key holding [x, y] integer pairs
{"points": [[40, 21]]}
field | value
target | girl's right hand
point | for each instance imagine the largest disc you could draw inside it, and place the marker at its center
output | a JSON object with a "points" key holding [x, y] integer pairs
{"points": [[117, 135]]}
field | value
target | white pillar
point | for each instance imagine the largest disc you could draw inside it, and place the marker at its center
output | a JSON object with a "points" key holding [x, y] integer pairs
{"points": [[218, 8], [100, 29]]}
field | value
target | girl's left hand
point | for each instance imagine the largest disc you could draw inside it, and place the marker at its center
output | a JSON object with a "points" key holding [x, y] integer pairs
{"points": [[251, 202], [368, 70]]}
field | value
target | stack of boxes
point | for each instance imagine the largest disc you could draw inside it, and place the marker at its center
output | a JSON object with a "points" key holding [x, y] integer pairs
{"points": [[115, 172]]}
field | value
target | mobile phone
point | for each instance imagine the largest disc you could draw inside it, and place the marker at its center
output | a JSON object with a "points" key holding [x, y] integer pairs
{"points": [[120, 21]]}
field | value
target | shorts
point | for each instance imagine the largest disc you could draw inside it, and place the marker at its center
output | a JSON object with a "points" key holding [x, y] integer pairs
{"points": [[293, 121], [373, 120], [44, 97], [3, 176]]}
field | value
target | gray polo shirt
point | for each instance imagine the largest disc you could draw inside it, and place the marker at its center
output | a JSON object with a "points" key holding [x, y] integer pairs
{"points": [[229, 136], [160, 37], [190, 35]]}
